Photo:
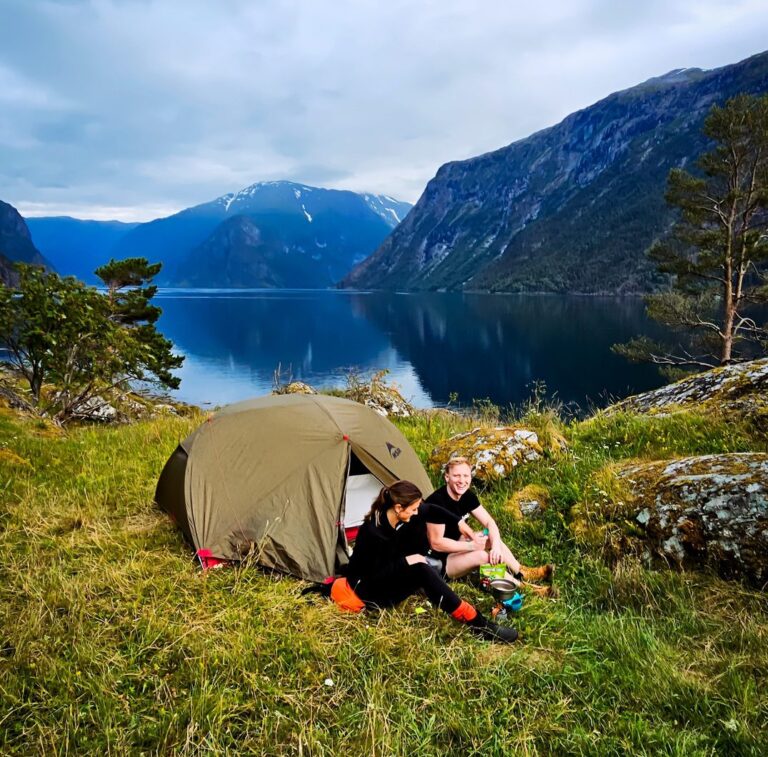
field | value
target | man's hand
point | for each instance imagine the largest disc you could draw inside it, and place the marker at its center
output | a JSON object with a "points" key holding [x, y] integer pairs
{"points": [[494, 554]]}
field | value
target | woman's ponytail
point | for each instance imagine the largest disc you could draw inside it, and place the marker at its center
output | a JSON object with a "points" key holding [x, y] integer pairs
{"points": [[400, 493]]}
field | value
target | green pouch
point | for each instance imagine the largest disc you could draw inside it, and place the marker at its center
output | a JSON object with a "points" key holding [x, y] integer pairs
{"points": [[493, 571]]}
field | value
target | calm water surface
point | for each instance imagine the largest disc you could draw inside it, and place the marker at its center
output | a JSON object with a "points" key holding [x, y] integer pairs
{"points": [[477, 346]]}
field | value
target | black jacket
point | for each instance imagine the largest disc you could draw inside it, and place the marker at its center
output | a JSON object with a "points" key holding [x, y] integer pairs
{"points": [[380, 550]]}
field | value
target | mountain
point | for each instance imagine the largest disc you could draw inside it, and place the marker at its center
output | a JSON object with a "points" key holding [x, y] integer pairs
{"points": [[77, 247], [15, 243], [571, 208], [321, 234], [241, 254]]}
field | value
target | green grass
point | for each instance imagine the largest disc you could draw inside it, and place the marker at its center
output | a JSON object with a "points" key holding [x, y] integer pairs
{"points": [[113, 642]]}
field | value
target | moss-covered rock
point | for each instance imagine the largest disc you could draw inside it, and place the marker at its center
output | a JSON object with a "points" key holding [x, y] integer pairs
{"points": [[386, 400], [529, 502], [295, 387], [740, 389], [708, 510], [492, 452]]}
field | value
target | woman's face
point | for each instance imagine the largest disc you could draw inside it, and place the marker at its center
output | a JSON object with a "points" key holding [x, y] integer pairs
{"points": [[458, 479], [405, 512]]}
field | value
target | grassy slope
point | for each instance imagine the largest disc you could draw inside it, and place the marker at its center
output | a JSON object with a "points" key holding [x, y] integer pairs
{"points": [[112, 641]]}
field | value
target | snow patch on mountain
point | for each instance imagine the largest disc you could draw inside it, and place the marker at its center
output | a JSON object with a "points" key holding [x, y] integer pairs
{"points": [[386, 207]]}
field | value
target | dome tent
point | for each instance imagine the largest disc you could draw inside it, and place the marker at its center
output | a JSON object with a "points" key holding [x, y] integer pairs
{"points": [[282, 477]]}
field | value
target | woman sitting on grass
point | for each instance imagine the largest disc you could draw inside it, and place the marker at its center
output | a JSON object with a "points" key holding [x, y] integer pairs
{"points": [[387, 565]]}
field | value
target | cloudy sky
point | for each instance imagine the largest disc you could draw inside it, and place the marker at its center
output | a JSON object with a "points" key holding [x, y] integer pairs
{"points": [[133, 109]]}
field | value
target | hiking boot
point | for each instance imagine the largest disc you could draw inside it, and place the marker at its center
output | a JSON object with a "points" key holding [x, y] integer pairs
{"points": [[541, 573], [491, 631]]}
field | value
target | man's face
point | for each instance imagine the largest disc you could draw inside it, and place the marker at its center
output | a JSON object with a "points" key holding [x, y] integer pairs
{"points": [[458, 478]]}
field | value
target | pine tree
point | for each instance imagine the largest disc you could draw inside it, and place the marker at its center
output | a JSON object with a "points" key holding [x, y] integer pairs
{"points": [[73, 343], [717, 251]]}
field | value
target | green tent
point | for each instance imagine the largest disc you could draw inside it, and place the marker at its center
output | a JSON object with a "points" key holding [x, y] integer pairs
{"points": [[283, 479]]}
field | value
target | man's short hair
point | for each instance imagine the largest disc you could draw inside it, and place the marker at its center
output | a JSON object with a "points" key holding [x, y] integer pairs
{"points": [[454, 461]]}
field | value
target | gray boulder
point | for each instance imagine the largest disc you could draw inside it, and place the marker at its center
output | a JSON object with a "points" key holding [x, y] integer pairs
{"points": [[710, 510], [493, 453], [741, 388]]}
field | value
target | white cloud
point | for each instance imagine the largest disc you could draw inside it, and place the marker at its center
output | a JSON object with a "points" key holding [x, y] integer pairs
{"points": [[146, 104]]}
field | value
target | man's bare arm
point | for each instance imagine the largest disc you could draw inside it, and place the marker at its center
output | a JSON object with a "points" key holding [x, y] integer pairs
{"points": [[440, 543]]}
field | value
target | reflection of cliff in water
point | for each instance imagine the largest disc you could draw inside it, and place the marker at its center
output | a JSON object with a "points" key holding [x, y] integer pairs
{"points": [[496, 346], [313, 333]]}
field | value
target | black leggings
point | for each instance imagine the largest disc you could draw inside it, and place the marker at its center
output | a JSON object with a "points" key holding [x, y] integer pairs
{"points": [[403, 583]]}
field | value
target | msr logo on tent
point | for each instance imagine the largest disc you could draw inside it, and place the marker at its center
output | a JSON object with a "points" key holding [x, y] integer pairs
{"points": [[394, 451]]}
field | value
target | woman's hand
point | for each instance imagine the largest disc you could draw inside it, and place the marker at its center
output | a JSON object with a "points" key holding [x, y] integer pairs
{"points": [[413, 559]]}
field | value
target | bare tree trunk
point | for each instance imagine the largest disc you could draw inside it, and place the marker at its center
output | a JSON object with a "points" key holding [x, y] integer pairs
{"points": [[729, 306], [728, 321]]}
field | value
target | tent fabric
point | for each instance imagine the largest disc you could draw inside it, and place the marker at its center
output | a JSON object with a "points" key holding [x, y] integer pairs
{"points": [[266, 479]]}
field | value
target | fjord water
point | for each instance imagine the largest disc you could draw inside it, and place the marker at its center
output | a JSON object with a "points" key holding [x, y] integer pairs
{"points": [[477, 346]]}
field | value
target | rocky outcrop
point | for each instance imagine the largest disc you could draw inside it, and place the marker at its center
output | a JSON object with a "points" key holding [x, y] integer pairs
{"points": [[121, 407], [295, 387], [493, 453], [740, 390], [727, 387], [12, 396], [384, 399], [710, 511]]}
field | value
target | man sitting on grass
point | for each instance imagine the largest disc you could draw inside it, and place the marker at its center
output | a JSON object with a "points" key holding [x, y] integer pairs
{"points": [[459, 548]]}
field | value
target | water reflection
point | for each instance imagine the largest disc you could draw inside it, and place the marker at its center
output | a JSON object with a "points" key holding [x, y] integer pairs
{"points": [[433, 344], [496, 346]]}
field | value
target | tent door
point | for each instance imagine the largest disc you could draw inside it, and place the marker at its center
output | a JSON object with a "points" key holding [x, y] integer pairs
{"points": [[361, 489]]}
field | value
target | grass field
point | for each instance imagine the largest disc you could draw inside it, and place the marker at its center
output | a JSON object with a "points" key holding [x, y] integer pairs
{"points": [[113, 642]]}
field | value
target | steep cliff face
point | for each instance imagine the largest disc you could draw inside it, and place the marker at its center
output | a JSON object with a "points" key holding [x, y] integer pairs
{"points": [[15, 240], [570, 208], [15, 243]]}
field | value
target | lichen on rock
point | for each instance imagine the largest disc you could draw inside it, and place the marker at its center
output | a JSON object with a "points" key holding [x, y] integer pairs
{"points": [[294, 387], [493, 453], [708, 510], [386, 400], [740, 389], [529, 502]]}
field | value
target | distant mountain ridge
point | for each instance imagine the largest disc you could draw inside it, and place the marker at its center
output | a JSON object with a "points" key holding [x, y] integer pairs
{"points": [[571, 208], [322, 231], [77, 247], [16, 244]]}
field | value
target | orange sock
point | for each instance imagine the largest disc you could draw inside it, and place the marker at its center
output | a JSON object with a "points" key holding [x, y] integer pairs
{"points": [[464, 612]]}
